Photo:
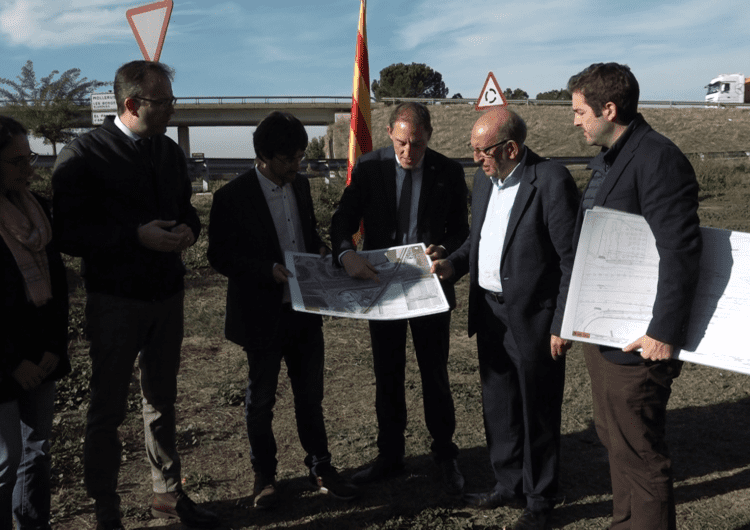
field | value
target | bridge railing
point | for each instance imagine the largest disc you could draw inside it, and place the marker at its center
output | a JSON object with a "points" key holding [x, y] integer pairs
{"points": [[346, 100], [244, 100]]}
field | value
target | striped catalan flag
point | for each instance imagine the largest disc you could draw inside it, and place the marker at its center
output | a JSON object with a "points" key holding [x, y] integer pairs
{"points": [[360, 139]]}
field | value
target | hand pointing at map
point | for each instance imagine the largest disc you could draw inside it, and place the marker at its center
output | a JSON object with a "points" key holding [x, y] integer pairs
{"points": [[358, 267]]}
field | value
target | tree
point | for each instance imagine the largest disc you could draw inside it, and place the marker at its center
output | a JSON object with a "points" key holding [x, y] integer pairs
{"points": [[515, 94], [413, 80], [316, 149], [49, 109], [562, 94]]}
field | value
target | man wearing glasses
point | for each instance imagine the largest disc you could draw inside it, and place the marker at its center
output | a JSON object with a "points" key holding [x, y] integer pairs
{"points": [[122, 203], [254, 220], [520, 257]]}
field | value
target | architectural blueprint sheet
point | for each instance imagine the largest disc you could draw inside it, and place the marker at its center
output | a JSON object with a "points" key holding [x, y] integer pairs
{"points": [[406, 288], [613, 288]]}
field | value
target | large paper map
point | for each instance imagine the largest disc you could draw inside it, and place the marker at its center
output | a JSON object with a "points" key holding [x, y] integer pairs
{"points": [[613, 288], [406, 288]]}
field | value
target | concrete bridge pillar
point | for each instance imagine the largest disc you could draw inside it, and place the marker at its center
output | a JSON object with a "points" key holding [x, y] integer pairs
{"points": [[183, 139]]}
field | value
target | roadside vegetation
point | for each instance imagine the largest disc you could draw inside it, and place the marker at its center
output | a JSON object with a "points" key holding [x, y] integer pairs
{"points": [[708, 424]]}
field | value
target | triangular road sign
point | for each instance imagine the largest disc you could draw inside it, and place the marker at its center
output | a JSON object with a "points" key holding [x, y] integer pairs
{"points": [[149, 24], [491, 94]]}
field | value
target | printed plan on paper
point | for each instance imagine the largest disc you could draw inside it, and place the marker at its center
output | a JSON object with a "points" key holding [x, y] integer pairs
{"points": [[406, 288], [613, 288]]}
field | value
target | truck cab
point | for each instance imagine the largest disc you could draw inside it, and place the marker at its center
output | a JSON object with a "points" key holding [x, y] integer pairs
{"points": [[728, 88]]}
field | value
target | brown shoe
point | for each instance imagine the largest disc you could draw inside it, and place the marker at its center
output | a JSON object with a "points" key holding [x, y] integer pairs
{"points": [[265, 491], [177, 505]]}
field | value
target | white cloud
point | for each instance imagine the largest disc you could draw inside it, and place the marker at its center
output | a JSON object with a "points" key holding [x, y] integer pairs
{"points": [[40, 24], [537, 45]]}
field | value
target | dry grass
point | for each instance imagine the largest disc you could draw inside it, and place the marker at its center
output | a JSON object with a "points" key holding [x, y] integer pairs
{"points": [[708, 422], [551, 130]]}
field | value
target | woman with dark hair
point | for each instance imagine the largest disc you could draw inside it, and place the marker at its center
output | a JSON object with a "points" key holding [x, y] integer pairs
{"points": [[33, 336]]}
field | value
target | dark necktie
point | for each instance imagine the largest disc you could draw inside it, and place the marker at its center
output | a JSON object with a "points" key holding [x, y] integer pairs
{"points": [[404, 209]]}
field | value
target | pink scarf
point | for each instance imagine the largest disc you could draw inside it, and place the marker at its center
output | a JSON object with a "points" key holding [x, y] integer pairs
{"points": [[26, 230]]}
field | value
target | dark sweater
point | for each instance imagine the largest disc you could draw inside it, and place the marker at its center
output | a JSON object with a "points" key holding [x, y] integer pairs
{"points": [[104, 189]]}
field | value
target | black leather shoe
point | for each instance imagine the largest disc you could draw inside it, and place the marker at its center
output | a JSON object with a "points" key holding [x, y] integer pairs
{"points": [[453, 480], [489, 499], [532, 520], [114, 524], [328, 480], [177, 505], [381, 468]]}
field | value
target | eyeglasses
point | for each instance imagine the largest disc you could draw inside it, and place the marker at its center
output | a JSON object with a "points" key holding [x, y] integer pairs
{"points": [[486, 150], [160, 102], [29, 159]]}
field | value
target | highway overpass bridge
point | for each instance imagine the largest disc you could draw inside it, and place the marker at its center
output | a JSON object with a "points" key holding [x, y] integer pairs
{"points": [[242, 111]]}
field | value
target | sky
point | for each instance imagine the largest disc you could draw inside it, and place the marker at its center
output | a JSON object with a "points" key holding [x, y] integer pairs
{"points": [[307, 47]]}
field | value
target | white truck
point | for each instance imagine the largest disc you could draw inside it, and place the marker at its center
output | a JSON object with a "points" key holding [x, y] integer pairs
{"points": [[728, 88]]}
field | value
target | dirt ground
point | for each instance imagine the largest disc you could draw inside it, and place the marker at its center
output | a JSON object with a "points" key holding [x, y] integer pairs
{"points": [[708, 425]]}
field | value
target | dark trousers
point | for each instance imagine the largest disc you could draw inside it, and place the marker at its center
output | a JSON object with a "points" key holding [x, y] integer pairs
{"points": [[121, 330], [630, 408], [299, 341], [522, 400], [431, 335]]}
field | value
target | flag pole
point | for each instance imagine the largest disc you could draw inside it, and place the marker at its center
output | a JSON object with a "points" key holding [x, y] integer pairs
{"points": [[360, 138]]}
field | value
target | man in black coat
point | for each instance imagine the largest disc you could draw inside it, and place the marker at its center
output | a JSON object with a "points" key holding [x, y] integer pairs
{"points": [[639, 171], [520, 257], [406, 194], [254, 219], [122, 203]]}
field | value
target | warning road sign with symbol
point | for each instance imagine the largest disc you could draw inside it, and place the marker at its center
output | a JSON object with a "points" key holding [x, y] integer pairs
{"points": [[491, 95]]}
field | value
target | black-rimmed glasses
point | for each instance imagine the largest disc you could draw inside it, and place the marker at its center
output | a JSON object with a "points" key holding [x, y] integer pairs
{"points": [[160, 102], [486, 150]]}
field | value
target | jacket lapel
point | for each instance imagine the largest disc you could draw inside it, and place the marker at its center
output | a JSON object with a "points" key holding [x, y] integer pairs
{"points": [[621, 162], [258, 211], [303, 212], [481, 197], [525, 193], [429, 179], [388, 184]]}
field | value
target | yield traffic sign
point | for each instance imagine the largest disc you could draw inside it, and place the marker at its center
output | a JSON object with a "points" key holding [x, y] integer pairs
{"points": [[149, 24]]}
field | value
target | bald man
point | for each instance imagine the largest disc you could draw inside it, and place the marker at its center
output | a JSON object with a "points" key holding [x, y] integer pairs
{"points": [[519, 254]]}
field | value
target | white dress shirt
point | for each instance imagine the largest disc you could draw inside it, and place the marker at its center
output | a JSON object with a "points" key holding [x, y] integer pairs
{"points": [[283, 206], [494, 228]]}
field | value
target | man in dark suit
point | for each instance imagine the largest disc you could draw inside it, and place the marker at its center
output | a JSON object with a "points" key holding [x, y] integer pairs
{"points": [[406, 194], [639, 171], [254, 219], [519, 256]]}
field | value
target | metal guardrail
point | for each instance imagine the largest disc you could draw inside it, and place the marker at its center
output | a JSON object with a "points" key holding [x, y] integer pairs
{"points": [[559, 102], [346, 100]]}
